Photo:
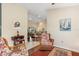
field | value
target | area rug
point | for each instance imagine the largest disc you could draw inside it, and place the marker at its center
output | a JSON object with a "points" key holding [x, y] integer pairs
{"points": [[60, 52]]}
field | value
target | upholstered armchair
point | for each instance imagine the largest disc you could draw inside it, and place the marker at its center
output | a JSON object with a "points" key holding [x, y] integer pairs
{"points": [[46, 42], [5, 50]]}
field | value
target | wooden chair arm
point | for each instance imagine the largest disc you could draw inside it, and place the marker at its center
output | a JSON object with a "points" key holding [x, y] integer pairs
{"points": [[6, 43], [52, 40]]}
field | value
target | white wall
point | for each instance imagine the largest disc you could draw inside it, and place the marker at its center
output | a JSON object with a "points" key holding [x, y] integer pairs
{"points": [[64, 39], [10, 14]]}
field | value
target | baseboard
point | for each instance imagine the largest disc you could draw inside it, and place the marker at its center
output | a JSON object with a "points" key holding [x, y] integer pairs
{"points": [[67, 48]]}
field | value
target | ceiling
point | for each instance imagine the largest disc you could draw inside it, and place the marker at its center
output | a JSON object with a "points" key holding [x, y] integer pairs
{"points": [[38, 11]]}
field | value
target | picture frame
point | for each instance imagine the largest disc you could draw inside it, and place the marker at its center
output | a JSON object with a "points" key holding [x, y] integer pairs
{"points": [[65, 24]]}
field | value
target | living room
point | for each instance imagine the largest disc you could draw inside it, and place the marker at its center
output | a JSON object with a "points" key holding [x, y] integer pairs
{"points": [[25, 23]]}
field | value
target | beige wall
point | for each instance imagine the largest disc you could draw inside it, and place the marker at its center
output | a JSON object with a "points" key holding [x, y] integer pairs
{"points": [[64, 39], [10, 14]]}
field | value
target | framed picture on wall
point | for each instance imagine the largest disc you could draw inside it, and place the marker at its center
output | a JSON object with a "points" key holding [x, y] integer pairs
{"points": [[65, 24]]}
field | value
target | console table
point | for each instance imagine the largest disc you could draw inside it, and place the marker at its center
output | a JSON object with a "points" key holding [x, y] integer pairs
{"points": [[19, 42], [18, 39]]}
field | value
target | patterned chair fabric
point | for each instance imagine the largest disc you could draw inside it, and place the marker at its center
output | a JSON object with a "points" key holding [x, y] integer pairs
{"points": [[5, 49], [46, 42]]}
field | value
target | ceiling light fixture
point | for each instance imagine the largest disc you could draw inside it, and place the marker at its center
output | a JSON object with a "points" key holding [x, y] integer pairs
{"points": [[52, 3]]}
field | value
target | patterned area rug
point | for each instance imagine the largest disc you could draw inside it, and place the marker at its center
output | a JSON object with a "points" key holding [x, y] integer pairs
{"points": [[60, 52]]}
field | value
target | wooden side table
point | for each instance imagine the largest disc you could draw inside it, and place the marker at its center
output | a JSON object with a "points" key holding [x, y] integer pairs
{"points": [[18, 39], [18, 42]]}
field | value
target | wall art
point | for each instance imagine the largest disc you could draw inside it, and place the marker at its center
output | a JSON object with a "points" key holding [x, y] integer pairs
{"points": [[65, 24]]}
